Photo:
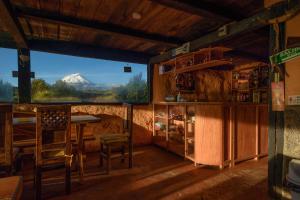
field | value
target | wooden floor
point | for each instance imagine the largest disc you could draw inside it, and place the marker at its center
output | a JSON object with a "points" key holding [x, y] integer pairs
{"points": [[157, 174]]}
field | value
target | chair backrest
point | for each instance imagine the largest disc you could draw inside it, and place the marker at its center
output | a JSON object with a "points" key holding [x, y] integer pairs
{"points": [[6, 150], [128, 118], [53, 135]]}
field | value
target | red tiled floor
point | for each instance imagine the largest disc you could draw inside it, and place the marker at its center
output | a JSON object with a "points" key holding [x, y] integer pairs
{"points": [[158, 175]]}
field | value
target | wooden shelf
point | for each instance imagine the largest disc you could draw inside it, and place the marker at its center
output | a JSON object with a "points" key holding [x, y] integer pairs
{"points": [[212, 63], [159, 117], [168, 72]]}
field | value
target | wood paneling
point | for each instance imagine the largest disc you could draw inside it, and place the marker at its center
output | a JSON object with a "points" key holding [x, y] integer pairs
{"points": [[209, 137], [245, 135]]}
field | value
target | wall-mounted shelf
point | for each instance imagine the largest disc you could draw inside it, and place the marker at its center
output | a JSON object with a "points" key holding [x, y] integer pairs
{"points": [[199, 60], [212, 63]]}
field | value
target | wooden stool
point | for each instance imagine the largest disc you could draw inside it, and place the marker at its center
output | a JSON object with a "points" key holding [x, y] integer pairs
{"points": [[118, 142], [11, 188], [110, 143]]}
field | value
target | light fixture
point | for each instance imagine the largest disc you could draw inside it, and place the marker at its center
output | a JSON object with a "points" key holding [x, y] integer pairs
{"points": [[136, 16]]}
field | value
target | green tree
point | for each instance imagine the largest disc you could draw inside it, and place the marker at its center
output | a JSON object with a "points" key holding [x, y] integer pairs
{"points": [[62, 89], [6, 91], [39, 86], [134, 91]]}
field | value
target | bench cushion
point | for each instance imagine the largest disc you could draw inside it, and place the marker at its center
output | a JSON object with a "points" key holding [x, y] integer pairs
{"points": [[11, 188]]}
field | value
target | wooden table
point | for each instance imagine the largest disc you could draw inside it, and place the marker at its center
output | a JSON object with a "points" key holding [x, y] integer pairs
{"points": [[79, 120]]}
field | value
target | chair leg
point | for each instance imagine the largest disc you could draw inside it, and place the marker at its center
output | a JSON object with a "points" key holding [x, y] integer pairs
{"points": [[38, 183], [80, 167], [129, 155], [101, 157], [68, 178], [108, 162], [123, 153]]}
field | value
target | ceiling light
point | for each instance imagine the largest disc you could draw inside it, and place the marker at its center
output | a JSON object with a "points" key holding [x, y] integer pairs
{"points": [[136, 15]]}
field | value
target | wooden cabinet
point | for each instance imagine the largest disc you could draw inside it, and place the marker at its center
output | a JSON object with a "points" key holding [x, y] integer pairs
{"points": [[251, 131], [214, 134]]}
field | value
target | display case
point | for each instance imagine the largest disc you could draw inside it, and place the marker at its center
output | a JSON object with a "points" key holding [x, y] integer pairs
{"points": [[190, 132], [176, 129], [160, 125], [251, 84]]}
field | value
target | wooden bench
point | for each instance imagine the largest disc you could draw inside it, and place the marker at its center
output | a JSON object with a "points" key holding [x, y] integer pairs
{"points": [[11, 188]]}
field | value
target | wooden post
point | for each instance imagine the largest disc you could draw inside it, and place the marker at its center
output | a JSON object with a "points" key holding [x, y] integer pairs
{"points": [[24, 82], [276, 126], [257, 134]]}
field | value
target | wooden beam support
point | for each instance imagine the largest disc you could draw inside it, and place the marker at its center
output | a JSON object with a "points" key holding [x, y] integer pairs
{"points": [[234, 29], [118, 30], [75, 49], [11, 24], [276, 125], [204, 9], [24, 75]]}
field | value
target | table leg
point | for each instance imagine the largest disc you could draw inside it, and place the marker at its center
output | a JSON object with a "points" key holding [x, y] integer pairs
{"points": [[79, 131]]}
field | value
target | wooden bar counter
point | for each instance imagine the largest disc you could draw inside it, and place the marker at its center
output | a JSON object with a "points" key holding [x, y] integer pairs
{"points": [[223, 133]]}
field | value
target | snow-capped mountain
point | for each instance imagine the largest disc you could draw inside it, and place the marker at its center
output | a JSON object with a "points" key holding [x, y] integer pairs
{"points": [[76, 79], [80, 82]]}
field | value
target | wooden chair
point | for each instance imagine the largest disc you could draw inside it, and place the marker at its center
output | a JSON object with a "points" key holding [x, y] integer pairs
{"points": [[53, 151], [6, 149], [117, 143]]}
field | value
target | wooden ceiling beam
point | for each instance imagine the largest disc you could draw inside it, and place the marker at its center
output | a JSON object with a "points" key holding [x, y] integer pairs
{"points": [[204, 9], [53, 17], [9, 21], [89, 51], [234, 29]]}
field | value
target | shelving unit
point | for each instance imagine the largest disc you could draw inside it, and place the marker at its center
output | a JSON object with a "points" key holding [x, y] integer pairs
{"points": [[202, 59], [250, 84]]}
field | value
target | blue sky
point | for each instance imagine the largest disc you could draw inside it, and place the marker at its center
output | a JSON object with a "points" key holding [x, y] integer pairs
{"points": [[52, 67]]}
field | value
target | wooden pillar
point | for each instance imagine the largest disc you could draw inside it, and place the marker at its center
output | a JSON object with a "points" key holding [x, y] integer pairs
{"points": [[150, 72], [24, 75], [276, 124]]}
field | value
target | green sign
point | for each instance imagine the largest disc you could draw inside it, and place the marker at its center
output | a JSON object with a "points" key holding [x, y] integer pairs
{"points": [[285, 56]]}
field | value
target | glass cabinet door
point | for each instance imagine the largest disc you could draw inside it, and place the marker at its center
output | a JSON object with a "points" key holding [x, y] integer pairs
{"points": [[190, 132], [160, 125], [176, 129]]}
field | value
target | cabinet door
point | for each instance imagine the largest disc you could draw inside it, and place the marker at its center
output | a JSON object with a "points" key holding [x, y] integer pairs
{"points": [[209, 138], [245, 135], [160, 125], [263, 119]]}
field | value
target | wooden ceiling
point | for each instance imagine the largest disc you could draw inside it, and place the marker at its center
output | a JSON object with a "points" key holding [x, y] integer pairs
{"points": [[163, 24]]}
